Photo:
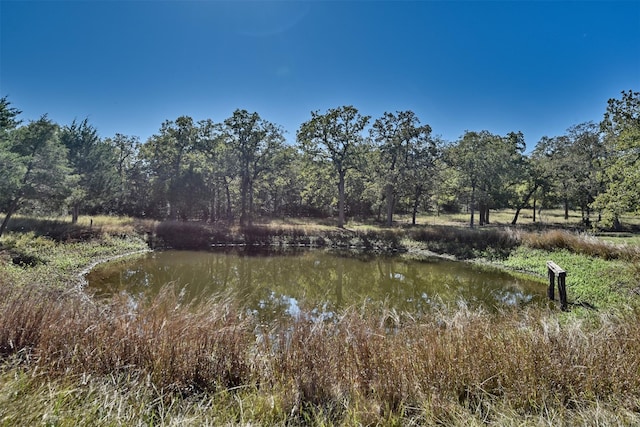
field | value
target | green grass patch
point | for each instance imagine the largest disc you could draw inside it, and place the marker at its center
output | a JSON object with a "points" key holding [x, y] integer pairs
{"points": [[593, 281], [57, 264]]}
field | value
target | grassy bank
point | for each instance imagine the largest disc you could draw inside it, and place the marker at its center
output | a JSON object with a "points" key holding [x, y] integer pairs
{"points": [[67, 360]]}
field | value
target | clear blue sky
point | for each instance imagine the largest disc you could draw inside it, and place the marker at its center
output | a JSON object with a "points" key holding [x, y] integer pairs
{"points": [[536, 67]]}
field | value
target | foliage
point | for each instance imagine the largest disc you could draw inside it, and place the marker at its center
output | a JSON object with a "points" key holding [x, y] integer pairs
{"points": [[258, 147], [489, 166], [335, 137], [241, 169], [406, 153], [621, 128], [8, 115], [93, 168], [37, 169]]}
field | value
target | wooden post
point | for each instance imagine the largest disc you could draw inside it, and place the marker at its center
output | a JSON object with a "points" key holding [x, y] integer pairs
{"points": [[562, 290], [554, 271], [552, 282]]}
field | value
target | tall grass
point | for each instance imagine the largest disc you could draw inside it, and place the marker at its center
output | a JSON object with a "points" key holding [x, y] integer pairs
{"points": [[65, 359], [196, 235], [466, 243], [61, 228], [581, 244], [364, 366]]}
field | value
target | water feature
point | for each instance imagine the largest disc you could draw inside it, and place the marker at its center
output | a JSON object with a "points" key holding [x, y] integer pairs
{"points": [[314, 281]]}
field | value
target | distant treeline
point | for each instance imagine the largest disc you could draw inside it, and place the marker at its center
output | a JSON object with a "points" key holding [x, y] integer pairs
{"points": [[344, 164]]}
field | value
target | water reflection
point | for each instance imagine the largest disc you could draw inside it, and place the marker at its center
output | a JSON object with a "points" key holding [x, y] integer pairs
{"points": [[314, 282]]}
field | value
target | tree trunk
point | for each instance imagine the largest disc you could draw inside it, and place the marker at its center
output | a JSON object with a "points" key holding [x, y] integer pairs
{"points": [[228, 194], [472, 205], [75, 213], [215, 205], [617, 226], [341, 199], [390, 204], [566, 209], [480, 214], [12, 209], [515, 217], [250, 212], [276, 204], [244, 193], [486, 215], [524, 203], [416, 204], [534, 209]]}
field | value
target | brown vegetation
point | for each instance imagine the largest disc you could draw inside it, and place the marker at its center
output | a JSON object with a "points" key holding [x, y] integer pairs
{"points": [[382, 362], [580, 244]]}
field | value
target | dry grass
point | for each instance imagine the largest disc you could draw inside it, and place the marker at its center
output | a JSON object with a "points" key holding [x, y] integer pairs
{"points": [[214, 364], [580, 244], [362, 366], [197, 235], [465, 242], [60, 228]]}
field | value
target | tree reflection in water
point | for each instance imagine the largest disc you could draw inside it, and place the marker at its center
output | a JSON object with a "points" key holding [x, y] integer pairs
{"points": [[314, 282]]}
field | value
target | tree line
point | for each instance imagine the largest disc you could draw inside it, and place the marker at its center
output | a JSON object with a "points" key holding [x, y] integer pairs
{"points": [[343, 164]]}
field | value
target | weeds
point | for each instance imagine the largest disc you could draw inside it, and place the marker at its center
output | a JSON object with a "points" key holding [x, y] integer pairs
{"points": [[195, 235], [465, 243], [66, 359], [579, 243], [370, 366]]}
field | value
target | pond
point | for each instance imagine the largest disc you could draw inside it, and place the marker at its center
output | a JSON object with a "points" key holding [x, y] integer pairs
{"points": [[314, 281]]}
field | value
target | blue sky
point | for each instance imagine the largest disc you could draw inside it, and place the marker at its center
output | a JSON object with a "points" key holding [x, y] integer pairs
{"points": [[536, 67]]}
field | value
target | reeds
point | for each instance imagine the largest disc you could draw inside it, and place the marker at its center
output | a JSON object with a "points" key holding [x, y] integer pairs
{"points": [[466, 243], [197, 235], [363, 364], [581, 244]]}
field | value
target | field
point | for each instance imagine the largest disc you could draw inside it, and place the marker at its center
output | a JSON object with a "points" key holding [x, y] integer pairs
{"points": [[68, 360]]}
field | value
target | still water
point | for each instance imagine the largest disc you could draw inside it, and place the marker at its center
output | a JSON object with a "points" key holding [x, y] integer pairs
{"points": [[315, 282]]}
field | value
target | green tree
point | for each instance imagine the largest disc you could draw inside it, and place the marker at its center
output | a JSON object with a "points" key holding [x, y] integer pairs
{"points": [[403, 144], [335, 136], [571, 167], [217, 167], [424, 172], [127, 192], [317, 194], [621, 174], [168, 155], [8, 115], [587, 151], [536, 178], [489, 166], [93, 164], [38, 170], [257, 145], [278, 192], [9, 160]]}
